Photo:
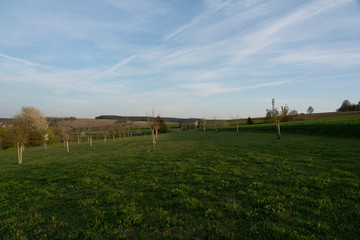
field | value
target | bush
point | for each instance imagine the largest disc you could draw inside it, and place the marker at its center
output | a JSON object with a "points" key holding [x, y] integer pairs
{"points": [[7, 138], [163, 127], [249, 121], [36, 138]]}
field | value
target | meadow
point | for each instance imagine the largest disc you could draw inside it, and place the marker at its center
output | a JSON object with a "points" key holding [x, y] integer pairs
{"points": [[195, 185]]}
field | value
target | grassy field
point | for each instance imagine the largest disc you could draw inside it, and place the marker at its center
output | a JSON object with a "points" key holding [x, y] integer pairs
{"points": [[331, 127], [196, 185]]}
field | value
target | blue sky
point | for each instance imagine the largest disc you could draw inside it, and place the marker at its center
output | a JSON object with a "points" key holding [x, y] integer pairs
{"points": [[183, 58]]}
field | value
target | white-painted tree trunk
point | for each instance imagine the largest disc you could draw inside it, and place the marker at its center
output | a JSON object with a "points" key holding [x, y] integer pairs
{"points": [[20, 150]]}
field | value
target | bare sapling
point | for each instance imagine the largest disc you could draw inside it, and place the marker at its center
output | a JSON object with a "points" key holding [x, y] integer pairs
{"points": [[82, 135], [215, 124], [278, 117], [203, 124], [90, 141], [196, 124], [151, 123], [236, 123], [105, 133], [112, 131]]}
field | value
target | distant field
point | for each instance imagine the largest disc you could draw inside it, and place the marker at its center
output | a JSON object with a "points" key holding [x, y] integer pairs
{"points": [[196, 185], [86, 123]]}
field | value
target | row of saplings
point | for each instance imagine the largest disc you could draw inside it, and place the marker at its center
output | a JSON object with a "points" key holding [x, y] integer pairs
{"points": [[30, 127]]}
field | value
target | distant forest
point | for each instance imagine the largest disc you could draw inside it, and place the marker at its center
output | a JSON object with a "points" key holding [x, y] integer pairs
{"points": [[144, 118]]}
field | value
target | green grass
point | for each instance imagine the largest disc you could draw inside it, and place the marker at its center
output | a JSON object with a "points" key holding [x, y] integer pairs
{"points": [[331, 127], [196, 185]]}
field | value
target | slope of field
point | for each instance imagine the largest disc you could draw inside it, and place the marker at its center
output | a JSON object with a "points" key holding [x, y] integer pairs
{"points": [[329, 115], [196, 185], [85, 123], [332, 127]]}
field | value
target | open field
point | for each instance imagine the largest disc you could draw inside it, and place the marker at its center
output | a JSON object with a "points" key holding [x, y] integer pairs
{"points": [[86, 123], [196, 185]]}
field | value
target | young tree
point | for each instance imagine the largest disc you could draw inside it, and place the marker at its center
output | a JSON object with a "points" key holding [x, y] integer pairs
{"points": [[120, 128], [237, 123], [196, 124], [31, 124], [30, 119], [156, 126], [151, 123], [310, 110], [203, 124], [279, 116], [215, 123], [112, 131], [105, 133]]}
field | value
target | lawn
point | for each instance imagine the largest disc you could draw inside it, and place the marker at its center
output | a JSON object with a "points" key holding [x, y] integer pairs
{"points": [[196, 185]]}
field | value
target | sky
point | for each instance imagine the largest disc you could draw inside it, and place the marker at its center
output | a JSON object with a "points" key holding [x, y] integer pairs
{"points": [[181, 58]]}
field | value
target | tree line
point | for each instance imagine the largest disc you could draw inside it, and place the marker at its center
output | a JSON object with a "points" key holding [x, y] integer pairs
{"points": [[347, 106]]}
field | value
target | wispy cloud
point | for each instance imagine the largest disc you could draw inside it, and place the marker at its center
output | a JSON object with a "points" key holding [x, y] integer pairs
{"points": [[212, 8], [211, 48], [28, 63]]}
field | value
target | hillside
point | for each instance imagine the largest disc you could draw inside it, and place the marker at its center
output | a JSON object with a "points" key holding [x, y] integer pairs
{"points": [[145, 118], [328, 115], [83, 123]]}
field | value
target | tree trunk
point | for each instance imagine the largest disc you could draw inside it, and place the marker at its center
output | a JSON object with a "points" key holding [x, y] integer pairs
{"points": [[278, 129], [153, 139], [237, 129], [90, 141], [67, 145], [19, 148], [104, 138], [78, 140]]}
